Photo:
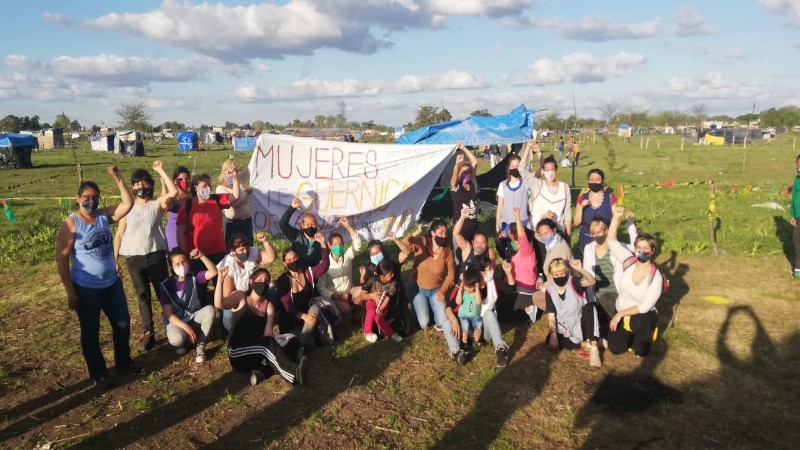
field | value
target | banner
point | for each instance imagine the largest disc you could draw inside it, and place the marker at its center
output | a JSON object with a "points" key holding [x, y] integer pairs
{"points": [[379, 187]]}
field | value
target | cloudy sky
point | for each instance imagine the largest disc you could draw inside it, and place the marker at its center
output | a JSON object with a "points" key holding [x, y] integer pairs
{"points": [[380, 60]]}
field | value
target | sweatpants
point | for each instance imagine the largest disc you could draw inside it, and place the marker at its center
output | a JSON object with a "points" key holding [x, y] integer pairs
{"points": [[201, 324], [263, 353], [146, 270], [374, 317], [639, 338], [591, 327]]}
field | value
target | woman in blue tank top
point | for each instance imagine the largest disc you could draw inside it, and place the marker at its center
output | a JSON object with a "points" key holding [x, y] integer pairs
{"points": [[92, 282]]}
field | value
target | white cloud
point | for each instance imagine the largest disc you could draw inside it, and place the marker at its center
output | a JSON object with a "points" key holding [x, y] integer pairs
{"points": [[580, 68], [22, 63], [712, 85], [263, 68], [164, 103], [789, 8], [309, 88], [689, 22], [598, 28], [297, 27], [9, 85], [737, 53]]}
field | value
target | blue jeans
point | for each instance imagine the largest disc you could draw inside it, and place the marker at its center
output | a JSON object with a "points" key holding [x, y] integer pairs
{"points": [[424, 302], [111, 301], [491, 328], [470, 323], [452, 342]]}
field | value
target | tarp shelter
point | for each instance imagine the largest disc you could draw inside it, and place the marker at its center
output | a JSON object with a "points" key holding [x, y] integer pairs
{"points": [[624, 130], [102, 143], [187, 141], [244, 143], [15, 150], [52, 138], [212, 138], [129, 143], [504, 129]]}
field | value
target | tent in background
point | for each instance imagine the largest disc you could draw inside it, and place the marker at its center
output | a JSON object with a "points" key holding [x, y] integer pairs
{"points": [[624, 130], [102, 142], [15, 150], [212, 138], [504, 129], [187, 141], [244, 143], [129, 143]]}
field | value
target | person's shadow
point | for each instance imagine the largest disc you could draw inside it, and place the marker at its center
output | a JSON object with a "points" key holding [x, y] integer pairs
{"points": [[669, 301], [784, 232]]}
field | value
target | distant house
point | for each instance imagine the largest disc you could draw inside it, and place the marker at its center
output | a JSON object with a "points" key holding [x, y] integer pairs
{"points": [[624, 130], [52, 138]]}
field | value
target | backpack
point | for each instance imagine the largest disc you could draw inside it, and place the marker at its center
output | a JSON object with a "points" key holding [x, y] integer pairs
{"points": [[665, 285]]}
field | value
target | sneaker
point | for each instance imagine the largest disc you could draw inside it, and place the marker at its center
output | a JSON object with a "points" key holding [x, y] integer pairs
{"points": [[302, 372], [438, 328], [371, 338], [180, 350], [532, 311], [583, 354], [148, 341], [256, 377], [594, 357], [461, 357], [104, 382], [796, 274], [397, 338], [501, 357], [200, 353]]}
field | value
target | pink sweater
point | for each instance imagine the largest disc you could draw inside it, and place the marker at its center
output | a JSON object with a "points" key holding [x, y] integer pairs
{"points": [[523, 266]]}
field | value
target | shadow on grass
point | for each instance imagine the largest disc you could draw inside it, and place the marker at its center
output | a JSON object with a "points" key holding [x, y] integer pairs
{"points": [[514, 387], [668, 303], [62, 401], [784, 231]]}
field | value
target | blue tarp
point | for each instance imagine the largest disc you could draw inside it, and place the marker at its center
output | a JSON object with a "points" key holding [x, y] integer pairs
{"points": [[504, 129], [187, 140], [244, 143], [17, 140]]}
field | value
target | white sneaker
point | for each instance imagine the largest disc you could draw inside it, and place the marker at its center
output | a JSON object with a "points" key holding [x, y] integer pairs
{"points": [[371, 338], [532, 311], [397, 338], [594, 357], [200, 354]]}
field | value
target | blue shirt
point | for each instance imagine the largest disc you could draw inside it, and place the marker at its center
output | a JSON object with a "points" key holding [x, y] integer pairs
{"points": [[93, 263]]}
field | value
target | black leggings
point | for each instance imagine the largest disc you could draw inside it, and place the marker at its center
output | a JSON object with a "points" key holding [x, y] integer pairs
{"points": [[263, 353], [639, 339], [591, 327]]}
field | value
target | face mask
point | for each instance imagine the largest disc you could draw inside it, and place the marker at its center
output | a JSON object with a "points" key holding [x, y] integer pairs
{"points": [[549, 175], [561, 281], [595, 187], [260, 288], [243, 256], [440, 241], [204, 193], [376, 259], [514, 173], [89, 206], [310, 231], [548, 239], [180, 271], [182, 184], [478, 250], [337, 250], [643, 256], [293, 267], [229, 180], [488, 276], [465, 179], [600, 239], [143, 193]]}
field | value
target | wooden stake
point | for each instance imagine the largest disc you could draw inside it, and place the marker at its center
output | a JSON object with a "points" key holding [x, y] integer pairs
{"points": [[712, 217], [682, 141]]}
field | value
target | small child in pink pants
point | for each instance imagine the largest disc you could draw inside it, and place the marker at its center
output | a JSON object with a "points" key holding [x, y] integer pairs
{"points": [[376, 294]]}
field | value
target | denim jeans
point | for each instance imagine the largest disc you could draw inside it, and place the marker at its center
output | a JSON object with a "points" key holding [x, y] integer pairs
{"points": [[470, 323], [452, 342], [491, 328], [111, 301], [426, 301]]}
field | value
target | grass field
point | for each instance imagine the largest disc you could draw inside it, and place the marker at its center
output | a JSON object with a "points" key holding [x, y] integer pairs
{"points": [[722, 376]]}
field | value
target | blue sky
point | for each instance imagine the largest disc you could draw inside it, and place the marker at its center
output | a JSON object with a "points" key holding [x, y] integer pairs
{"points": [[382, 59]]}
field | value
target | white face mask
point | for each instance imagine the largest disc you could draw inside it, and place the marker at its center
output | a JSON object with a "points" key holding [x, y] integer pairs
{"points": [[204, 193], [180, 271], [488, 276], [549, 175]]}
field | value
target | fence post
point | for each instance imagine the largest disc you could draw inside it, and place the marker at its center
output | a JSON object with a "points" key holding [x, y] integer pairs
{"points": [[682, 141], [712, 217], [641, 142]]}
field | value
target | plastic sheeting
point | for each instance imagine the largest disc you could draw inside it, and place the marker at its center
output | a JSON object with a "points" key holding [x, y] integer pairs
{"points": [[244, 143], [510, 128], [187, 141]]}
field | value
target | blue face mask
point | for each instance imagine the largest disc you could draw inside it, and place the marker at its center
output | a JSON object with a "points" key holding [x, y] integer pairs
{"points": [[229, 180], [243, 256], [376, 259], [547, 240], [643, 256]]}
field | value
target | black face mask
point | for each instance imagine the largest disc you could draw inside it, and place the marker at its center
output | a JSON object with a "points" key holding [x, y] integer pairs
{"points": [[595, 187], [310, 231], [260, 288], [561, 281], [440, 241], [515, 173], [143, 193]]}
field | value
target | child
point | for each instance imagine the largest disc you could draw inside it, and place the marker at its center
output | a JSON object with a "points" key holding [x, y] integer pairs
{"points": [[376, 294], [185, 317], [469, 301]]}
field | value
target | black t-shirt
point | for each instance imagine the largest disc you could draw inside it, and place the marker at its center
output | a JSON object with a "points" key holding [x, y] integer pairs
{"points": [[245, 324], [463, 198]]}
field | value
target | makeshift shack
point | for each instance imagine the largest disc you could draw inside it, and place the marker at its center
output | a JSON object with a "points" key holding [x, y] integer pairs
{"points": [[129, 143], [102, 142], [624, 130], [244, 143], [52, 138], [187, 141], [15, 150]]}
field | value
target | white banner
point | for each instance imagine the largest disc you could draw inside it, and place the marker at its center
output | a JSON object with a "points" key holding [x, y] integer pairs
{"points": [[379, 187]]}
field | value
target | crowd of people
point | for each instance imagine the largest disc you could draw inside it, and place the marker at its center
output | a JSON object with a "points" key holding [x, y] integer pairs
{"points": [[598, 296]]}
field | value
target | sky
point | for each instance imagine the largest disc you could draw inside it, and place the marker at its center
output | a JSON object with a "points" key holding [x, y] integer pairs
{"points": [[239, 61]]}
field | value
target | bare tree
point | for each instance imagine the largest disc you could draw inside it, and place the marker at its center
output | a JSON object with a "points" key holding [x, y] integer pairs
{"points": [[699, 113], [610, 110], [135, 116]]}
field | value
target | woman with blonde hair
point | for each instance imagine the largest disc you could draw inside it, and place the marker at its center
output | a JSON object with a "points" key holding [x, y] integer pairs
{"points": [[237, 217]]}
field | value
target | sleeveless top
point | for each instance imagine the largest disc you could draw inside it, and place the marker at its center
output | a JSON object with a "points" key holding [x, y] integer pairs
{"points": [[144, 232], [589, 213], [568, 311], [171, 230], [93, 263], [245, 325], [469, 305], [514, 197], [545, 200], [604, 274]]}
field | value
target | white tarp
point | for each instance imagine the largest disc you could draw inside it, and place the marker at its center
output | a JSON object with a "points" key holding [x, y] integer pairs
{"points": [[380, 187]]}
